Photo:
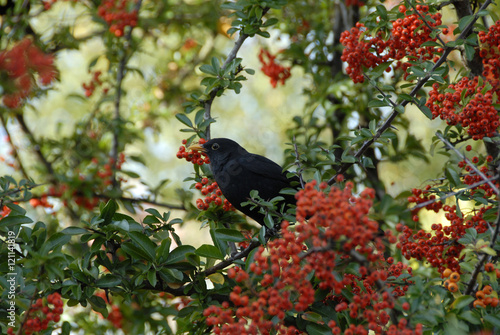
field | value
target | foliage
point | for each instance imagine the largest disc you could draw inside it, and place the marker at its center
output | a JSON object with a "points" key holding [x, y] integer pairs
{"points": [[352, 257]]}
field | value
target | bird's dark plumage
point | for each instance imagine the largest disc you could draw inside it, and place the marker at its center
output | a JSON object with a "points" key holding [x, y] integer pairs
{"points": [[237, 172]]}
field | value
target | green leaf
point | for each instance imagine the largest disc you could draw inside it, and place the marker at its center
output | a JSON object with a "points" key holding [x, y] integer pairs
{"points": [[317, 329], [152, 277], [209, 251], [179, 253], [462, 301], [13, 220], [270, 22], [452, 176], [74, 231], [184, 119], [55, 241], [471, 317], [469, 51], [171, 275], [230, 235], [494, 320], [148, 246], [134, 251], [163, 250], [379, 69], [377, 103], [465, 21], [108, 281], [205, 68], [154, 211], [108, 211]]}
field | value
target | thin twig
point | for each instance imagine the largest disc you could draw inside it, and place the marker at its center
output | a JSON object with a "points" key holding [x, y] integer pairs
{"points": [[480, 264], [424, 20], [297, 162], [473, 166], [344, 167], [15, 152], [207, 104], [219, 266], [36, 147], [119, 79], [451, 194]]}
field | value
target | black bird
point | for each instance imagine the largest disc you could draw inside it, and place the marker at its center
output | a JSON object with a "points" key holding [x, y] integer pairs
{"points": [[237, 172]]}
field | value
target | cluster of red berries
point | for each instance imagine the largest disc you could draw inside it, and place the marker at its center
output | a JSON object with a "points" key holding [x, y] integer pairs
{"points": [[275, 71], [440, 247], [20, 63], [470, 177], [212, 194], [337, 226], [41, 314], [115, 316], [490, 53], [423, 196], [467, 103], [193, 156], [210, 190], [93, 84], [116, 15], [405, 41]]}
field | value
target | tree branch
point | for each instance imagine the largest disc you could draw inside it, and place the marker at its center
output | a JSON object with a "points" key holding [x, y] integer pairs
{"points": [[36, 147], [473, 166], [480, 264], [207, 104], [451, 194], [14, 149], [119, 79]]}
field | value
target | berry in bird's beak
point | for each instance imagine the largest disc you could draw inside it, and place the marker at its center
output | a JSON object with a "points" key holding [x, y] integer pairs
{"points": [[197, 147]]}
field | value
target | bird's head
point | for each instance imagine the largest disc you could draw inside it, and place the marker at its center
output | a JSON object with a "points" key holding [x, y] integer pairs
{"points": [[219, 150]]}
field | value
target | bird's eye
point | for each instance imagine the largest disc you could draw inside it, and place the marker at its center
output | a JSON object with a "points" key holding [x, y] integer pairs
{"points": [[215, 146]]}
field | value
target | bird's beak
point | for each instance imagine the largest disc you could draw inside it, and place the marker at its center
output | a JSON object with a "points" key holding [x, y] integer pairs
{"points": [[197, 147]]}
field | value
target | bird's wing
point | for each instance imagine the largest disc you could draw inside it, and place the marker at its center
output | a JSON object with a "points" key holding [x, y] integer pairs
{"points": [[264, 167]]}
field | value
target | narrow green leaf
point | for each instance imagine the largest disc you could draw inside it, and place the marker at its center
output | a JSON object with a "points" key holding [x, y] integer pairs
{"points": [[108, 281], [465, 21], [494, 320], [74, 231], [184, 119], [13, 220], [230, 235], [179, 254], [462, 301], [108, 211], [209, 251], [163, 250], [134, 251], [55, 241], [205, 68], [148, 246], [152, 277]]}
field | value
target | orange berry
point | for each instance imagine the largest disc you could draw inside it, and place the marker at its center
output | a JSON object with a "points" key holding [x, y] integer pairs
{"points": [[446, 283], [494, 302], [452, 287], [489, 267], [447, 273], [487, 289], [454, 277], [480, 295], [479, 303]]}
